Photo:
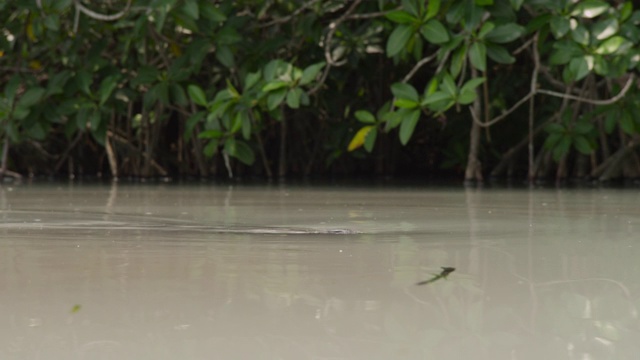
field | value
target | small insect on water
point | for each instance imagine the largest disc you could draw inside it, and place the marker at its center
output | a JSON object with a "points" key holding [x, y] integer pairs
{"points": [[443, 275]]}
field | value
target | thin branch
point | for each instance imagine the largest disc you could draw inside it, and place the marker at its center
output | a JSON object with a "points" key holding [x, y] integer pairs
{"points": [[333, 27], [94, 15], [293, 14], [534, 91], [418, 65], [609, 101]]}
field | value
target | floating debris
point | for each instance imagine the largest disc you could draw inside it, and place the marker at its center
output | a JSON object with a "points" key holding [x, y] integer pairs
{"points": [[443, 275], [76, 308]]}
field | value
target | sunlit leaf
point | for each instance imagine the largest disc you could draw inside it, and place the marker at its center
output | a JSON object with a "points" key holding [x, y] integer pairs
{"points": [[590, 8], [612, 44], [559, 26], [605, 28]]}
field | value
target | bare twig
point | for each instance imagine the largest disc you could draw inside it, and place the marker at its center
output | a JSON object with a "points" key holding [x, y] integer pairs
{"points": [[287, 18], [534, 91], [418, 65], [333, 27], [94, 15], [609, 101]]}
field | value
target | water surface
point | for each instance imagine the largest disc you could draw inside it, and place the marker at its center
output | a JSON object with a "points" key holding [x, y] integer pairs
{"points": [[280, 272]]}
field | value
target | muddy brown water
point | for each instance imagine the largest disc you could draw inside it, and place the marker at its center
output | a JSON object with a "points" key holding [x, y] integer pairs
{"points": [[281, 272]]}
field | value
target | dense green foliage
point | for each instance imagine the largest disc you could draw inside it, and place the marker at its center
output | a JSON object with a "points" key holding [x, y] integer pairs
{"points": [[292, 87]]}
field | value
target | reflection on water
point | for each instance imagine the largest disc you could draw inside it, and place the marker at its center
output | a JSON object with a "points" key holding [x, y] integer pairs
{"points": [[204, 272]]}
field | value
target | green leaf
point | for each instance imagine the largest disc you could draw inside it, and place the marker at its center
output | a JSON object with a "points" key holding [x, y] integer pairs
{"points": [[106, 88], [612, 44], [146, 75], [583, 127], [246, 125], [293, 98], [239, 150], [211, 12], [626, 123], [626, 10], [197, 95], [478, 56], [411, 6], [211, 148], [398, 39], [559, 26], [225, 56], [505, 33], [499, 54], [581, 35], [516, 4], [30, 97], [83, 81], [274, 85], [406, 104], [365, 117], [275, 98], [590, 8], [311, 72], [211, 134], [178, 96], [434, 32], [401, 17], [448, 85], [605, 28], [472, 84], [580, 67], [485, 29], [191, 123], [562, 148], [236, 123], [251, 79], [436, 97], [433, 7], [12, 87], [555, 128], [457, 59], [190, 8], [466, 97], [370, 139], [404, 91], [408, 125], [582, 144]]}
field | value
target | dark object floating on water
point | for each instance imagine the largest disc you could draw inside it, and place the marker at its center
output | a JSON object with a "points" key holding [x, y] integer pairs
{"points": [[443, 275]]}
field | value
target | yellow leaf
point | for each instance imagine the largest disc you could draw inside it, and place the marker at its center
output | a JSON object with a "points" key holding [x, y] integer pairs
{"points": [[35, 65], [358, 139], [30, 33], [175, 49]]}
